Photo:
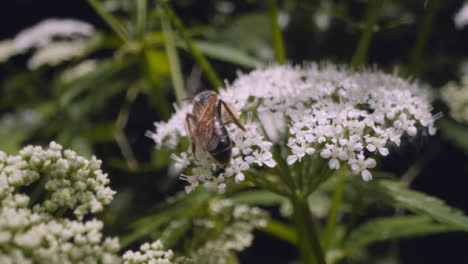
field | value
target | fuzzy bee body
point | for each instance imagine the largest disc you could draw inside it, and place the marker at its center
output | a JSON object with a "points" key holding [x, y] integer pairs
{"points": [[206, 126]]}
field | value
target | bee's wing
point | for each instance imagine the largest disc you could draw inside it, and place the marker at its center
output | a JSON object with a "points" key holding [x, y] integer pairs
{"points": [[206, 125]]}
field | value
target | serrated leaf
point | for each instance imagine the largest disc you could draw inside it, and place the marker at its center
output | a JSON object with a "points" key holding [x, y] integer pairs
{"points": [[399, 196], [392, 228]]}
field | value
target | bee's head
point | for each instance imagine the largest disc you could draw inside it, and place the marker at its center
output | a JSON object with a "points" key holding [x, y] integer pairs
{"points": [[203, 97]]}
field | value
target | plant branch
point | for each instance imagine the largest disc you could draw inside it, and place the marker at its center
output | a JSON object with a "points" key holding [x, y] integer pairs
{"points": [[198, 56], [278, 42], [307, 238], [119, 135], [281, 231], [111, 21], [333, 216], [142, 6], [174, 63], [423, 36], [372, 15]]}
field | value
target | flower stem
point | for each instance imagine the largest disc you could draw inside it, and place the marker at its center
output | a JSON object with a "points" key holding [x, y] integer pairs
{"points": [[111, 21], [332, 218], [141, 17], [278, 42], [174, 63], [307, 238], [198, 56], [423, 35], [281, 231], [372, 15]]}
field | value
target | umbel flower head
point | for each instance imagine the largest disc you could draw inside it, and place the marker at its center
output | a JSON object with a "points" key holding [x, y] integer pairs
{"points": [[456, 97], [225, 228], [32, 229], [312, 112]]}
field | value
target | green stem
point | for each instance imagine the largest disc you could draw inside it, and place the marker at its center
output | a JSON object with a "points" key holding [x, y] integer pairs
{"points": [[174, 63], [332, 218], [162, 104], [278, 42], [307, 239], [111, 21], [423, 35], [198, 56], [141, 17], [281, 231], [372, 15], [261, 182]]}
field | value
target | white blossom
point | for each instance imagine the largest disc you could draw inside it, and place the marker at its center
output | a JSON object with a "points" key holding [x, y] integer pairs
{"points": [[461, 17], [7, 50], [456, 97], [78, 70], [239, 221], [43, 37], [55, 53], [38, 233], [44, 32], [153, 253], [344, 116]]}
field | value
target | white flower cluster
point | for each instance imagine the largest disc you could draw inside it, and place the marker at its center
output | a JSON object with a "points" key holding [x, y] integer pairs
{"points": [[461, 17], [55, 53], [72, 181], [44, 32], [342, 115], [456, 97], [37, 233], [42, 36], [78, 71], [238, 222], [149, 254]]}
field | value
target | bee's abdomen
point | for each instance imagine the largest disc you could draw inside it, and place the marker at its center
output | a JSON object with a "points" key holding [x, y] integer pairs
{"points": [[222, 152]]}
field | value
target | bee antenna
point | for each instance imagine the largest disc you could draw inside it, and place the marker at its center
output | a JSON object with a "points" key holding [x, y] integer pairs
{"points": [[188, 98]]}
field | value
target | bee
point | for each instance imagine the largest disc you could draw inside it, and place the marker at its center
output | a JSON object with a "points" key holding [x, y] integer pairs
{"points": [[206, 125]]}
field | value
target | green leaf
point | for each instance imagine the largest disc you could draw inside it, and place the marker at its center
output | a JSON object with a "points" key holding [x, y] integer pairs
{"points": [[399, 196], [258, 197], [455, 132], [392, 228], [226, 53]]}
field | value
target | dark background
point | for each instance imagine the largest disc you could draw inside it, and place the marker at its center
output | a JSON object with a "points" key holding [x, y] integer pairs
{"points": [[445, 176]]}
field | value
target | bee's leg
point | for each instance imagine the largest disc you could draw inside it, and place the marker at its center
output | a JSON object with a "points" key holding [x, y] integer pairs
{"points": [[229, 115], [190, 122]]}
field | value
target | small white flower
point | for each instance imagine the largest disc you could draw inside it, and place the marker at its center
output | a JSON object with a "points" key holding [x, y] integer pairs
{"points": [[299, 152], [237, 166], [361, 164]]}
